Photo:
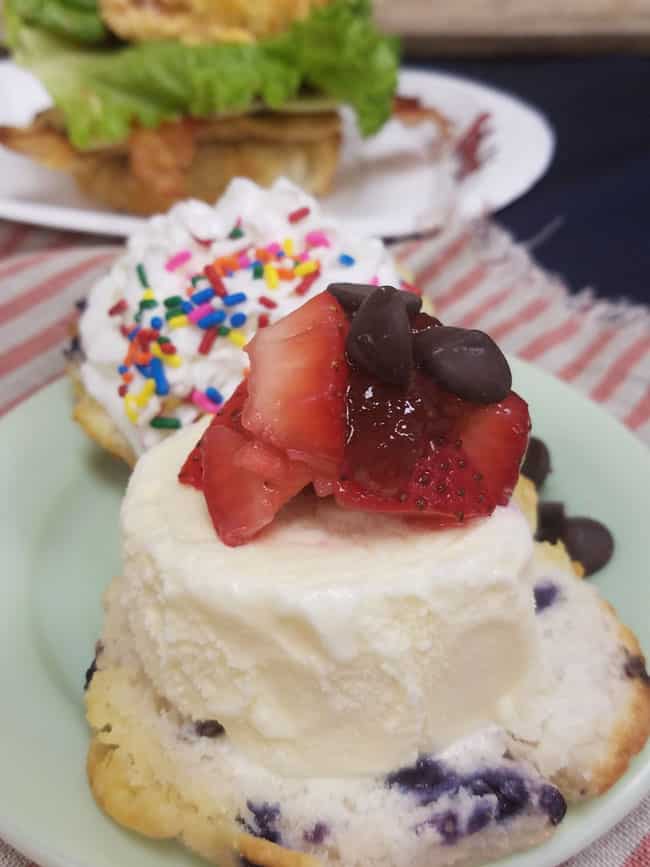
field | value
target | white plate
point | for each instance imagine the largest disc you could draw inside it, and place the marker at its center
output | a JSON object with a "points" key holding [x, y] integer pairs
{"points": [[387, 185], [59, 537]]}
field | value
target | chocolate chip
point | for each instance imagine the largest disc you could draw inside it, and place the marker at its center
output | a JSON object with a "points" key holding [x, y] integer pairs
{"points": [[352, 295], [589, 542], [635, 667], [379, 340], [537, 463], [209, 728], [411, 301], [465, 362], [551, 522]]}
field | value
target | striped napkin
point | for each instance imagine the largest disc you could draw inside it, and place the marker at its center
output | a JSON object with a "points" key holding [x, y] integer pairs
{"points": [[477, 276]]}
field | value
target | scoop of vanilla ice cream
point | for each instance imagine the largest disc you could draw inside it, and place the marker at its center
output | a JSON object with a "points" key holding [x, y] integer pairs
{"points": [[337, 643], [279, 251]]}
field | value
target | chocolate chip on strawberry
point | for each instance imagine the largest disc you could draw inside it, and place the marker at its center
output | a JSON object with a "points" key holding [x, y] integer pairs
{"points": [[379, 341], [466, 362], [352, 295], [551, 522], [537, 463], [589, 542]]}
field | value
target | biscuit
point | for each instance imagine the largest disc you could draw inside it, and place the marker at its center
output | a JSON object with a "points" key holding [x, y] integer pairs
{"points": [[189, 158], [151, 773]]}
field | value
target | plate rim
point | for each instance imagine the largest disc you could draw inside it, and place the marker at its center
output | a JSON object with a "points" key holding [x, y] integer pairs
{"points": [[114, 224], [582, 834]]}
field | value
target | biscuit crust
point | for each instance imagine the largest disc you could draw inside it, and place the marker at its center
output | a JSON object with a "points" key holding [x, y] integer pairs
{"points": [[97, 423], [133, 781]]}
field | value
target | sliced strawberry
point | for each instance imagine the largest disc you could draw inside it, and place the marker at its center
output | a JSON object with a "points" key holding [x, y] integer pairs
{"points": [[230, 412], [245, 482], [297, 384], [192, 470], [406, 451], [241, 497], [495, 438], [325, 487], [261, 460]]}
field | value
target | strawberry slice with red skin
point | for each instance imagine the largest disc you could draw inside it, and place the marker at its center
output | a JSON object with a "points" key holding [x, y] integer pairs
{"points": [[303, 416], [495, 437], [297, 385], [191, 472], [246, 483], [407, 453]]}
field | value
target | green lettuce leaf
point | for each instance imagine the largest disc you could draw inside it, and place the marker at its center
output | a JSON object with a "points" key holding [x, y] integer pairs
{"points": [[102, 89], [73, 19]]}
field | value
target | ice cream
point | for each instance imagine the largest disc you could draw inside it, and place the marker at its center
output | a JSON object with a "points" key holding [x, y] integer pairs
{"points": [[163, 341], [339, 643]]}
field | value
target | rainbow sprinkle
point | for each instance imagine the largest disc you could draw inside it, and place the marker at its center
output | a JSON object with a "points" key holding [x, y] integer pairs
{"points": [[271, 276], [298, 215], [142, 275], [213, 308], [165, 423], [177, 260]]}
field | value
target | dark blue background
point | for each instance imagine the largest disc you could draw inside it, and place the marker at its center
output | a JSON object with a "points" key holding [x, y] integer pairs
{"points": [[599, 181]]}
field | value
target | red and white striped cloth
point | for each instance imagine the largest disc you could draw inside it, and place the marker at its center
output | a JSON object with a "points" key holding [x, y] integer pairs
{"points": [[476, 275]]}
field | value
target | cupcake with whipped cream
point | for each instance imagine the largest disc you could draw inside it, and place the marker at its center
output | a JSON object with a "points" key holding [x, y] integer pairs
{"points": [[163, 332]]}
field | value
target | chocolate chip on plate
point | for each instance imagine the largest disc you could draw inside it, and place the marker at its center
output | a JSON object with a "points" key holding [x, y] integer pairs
{"points": [[589, 542], [379, 340], [551, 522], [352, 295], [537, 463], [465, 362]]}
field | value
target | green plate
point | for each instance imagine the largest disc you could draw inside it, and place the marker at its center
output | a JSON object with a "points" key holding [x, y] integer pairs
{"points": [[59, 539]]}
